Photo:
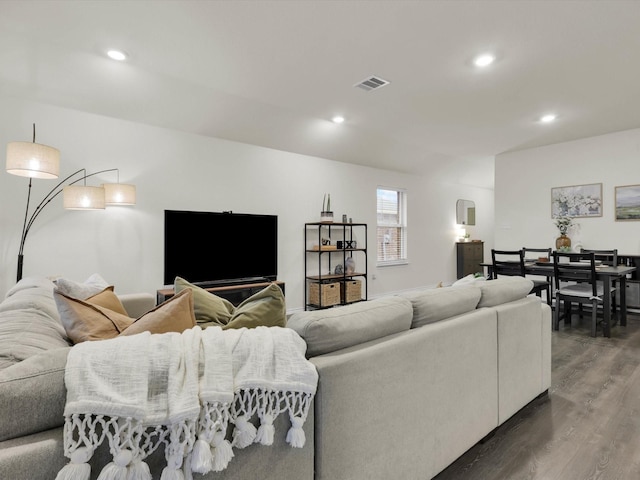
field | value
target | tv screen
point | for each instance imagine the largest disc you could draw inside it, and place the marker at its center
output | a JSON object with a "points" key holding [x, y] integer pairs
{"points": [[214, 247]]}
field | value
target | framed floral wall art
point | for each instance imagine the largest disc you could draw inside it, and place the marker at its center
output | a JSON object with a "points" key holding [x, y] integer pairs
{"points": [[628, 202], [577, 201]]}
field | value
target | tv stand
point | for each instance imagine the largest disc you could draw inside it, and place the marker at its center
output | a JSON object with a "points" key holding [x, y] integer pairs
{"points": [[232, 281], [234, 290]]}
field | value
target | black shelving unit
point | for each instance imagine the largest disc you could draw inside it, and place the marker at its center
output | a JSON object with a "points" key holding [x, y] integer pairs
{"points": [[320, 262]]}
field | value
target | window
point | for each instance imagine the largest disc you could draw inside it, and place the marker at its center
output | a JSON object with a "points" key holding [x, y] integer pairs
{"points": [[392, 226]]}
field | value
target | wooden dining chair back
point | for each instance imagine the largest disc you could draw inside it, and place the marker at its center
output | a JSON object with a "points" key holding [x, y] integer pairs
{"points": [[537, 253], [534, 255], [511, 263], [507, 263], [607, 257], [576, 282]]}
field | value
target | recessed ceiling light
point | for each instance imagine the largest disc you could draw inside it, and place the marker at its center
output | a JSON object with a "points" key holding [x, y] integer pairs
{"points": [[484, 60], [548, 118], [338, 119], [117, 55]]}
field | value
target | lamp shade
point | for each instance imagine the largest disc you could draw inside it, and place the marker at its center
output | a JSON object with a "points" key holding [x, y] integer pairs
{"points": [[119, 194], [81, 197], [33, 160]]}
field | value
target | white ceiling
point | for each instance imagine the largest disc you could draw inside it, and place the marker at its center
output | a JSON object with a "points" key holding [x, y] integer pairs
{"points": [[273, 73]]}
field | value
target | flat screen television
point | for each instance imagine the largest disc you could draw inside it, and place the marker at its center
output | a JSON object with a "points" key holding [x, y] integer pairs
{"points": [[213, 248]]}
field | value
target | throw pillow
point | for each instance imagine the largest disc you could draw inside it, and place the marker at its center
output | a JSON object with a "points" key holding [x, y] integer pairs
{"points": [[85, 321], [91, 286], [208, 308], [107, 299], [174, 315], [266, 308]]}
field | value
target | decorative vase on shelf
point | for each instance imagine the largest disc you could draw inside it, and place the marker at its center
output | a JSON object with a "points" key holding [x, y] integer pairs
{"points": [[326, 217], [563, 242]]}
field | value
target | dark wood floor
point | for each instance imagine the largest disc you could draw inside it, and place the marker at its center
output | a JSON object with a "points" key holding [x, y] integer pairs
{"points": [[588, 427]]}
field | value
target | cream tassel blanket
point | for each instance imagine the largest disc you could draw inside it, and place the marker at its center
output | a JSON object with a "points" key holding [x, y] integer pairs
{"points": [[183, 392]]}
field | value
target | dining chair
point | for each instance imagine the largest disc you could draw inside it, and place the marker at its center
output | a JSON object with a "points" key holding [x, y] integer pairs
{"points": [[575, 280], [607, 257], [507, 262], [511, 263], [538, 254]]}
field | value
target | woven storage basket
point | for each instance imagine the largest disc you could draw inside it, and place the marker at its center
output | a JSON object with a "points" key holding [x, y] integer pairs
{"points": [[351, 291], [330, 294]]}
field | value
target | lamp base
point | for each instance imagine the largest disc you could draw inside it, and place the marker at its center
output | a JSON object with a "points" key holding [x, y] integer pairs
{"points": [[20, 261]]}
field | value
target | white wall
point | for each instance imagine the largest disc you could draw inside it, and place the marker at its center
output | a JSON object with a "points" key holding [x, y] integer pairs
{"points": [[176, 170], [523, 192]]}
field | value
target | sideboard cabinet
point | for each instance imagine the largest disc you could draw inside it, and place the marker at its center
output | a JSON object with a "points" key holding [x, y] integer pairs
{"points": [[469, 257]]}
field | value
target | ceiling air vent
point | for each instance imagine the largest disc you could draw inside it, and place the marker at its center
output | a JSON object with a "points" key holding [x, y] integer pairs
{"points": [[371, 83]]}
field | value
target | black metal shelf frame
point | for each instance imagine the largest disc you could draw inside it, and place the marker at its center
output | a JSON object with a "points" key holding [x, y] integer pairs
{"points": [[345, 229]]}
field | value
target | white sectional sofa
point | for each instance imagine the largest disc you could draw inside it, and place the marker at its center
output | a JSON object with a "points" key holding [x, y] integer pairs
{"points": [[407, 403], [407, 383]]}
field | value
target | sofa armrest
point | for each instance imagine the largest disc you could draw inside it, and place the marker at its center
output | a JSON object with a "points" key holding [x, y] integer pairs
{"points": [[137, 304], [33, 394]]}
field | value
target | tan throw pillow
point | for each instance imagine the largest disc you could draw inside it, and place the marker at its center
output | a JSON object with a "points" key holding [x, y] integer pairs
{"points": [[108, 299], [209, 308], [266, 308], [174, 315], [85, 321]]}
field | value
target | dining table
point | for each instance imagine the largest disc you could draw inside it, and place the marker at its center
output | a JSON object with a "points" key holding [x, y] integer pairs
{"points": [[608, 274]]}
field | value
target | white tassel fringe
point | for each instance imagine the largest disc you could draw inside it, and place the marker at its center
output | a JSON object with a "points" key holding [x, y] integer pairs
{"points": [[222, 452], [245, 432], [74, 471], [295, 436], [201, 459], [267, 431]]}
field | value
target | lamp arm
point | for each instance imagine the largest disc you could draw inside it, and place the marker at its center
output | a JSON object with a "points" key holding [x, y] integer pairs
{"points": [[53, 193], [47, 198]]}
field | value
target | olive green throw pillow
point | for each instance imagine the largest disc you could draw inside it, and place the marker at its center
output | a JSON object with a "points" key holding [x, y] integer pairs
{"points": [[208, 308], [266, 308]]}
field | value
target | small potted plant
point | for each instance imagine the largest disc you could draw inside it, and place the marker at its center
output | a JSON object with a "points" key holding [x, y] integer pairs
{"points": [[563, 243], [326, 215]]}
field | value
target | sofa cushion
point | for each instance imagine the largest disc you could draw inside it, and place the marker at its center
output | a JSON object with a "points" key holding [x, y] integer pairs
{"points": [[30, 282], [503, 290], [32, 394], [29, 321], [341, 327], [137, 304], [433, 305], [32, 292], [174, 315]]}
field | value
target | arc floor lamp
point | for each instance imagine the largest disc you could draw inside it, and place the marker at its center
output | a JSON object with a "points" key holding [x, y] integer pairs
{"points": [[34, 160]]}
